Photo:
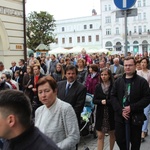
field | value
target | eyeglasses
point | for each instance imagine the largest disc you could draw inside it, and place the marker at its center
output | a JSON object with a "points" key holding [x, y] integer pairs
{"points": [[130, 65]]}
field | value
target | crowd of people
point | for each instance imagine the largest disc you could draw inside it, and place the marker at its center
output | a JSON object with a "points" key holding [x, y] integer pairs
{"points": [[55, 89]]}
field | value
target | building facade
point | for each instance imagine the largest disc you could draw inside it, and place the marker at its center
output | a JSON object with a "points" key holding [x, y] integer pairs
{"points": [[138, 27], [84, 31], [107, 31], [11, 31]]}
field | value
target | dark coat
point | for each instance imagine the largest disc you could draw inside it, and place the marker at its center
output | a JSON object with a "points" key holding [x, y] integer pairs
{"points": [[32, 139], [14, 70], [44, 67], [98, 97], [91, 83], [75, 96], [58, 76], [26, 83], [81, 77], [139, 97], [3, 85], [22, 71], [35, 94]]}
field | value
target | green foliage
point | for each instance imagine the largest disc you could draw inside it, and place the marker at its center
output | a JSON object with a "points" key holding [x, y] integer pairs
{"points": [[39, 27]]}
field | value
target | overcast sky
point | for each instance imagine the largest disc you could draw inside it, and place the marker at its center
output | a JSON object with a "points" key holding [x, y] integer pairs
{"points": [[64, 9]]}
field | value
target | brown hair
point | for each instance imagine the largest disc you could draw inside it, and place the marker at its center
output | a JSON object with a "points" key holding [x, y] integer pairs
{"points": [[82, 60], [62, 70], [130, 57], [94, 67], [47, 79], [37, 65], [31, 67]]}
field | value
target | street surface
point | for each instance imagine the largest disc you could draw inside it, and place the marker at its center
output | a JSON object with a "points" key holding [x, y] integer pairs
{"points": [[91, 143]]}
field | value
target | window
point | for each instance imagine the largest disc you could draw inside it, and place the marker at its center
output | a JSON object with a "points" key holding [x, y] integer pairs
{"points": [[56, 40], [78, 39], [97, 38], [63, 29], [108, 44], [108, 31], [139, 16], [117, 30], [89, 38], [134, 29], [145, 28], [144, 2], [83, 39], [144, 16], [139, 3], [70, 39], [91, 26], [117, 19], [108, 19], [85, 26], [140, 29], [63, 40], [105, 7], [109, 7]]}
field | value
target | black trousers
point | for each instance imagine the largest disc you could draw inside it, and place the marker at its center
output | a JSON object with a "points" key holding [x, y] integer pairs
{"points": [[135, 136]]}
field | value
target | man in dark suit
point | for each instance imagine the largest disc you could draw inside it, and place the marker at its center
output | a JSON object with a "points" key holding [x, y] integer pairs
{"points": [[116, 69], [72, 91], [14, 68], [22, 71]]}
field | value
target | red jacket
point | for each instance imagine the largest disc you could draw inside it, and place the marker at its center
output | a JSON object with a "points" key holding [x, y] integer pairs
{"points": [[91, 83]]}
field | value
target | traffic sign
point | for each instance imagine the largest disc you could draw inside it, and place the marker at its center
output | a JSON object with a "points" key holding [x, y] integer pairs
{"points": [[124, 4], [130, 13]]}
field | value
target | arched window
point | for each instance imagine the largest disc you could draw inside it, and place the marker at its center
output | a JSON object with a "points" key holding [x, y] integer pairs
{"points": [[118, 46], [136, 46], [108, 45], [145, 45]]}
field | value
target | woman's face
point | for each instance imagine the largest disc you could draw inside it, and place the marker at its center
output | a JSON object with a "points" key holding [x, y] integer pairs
{"points": [[144, 64], [138, 66], [80, 63], [3, 77], [46, 94], [105, 76], [90, 70], [28, 70], [58, 68]]}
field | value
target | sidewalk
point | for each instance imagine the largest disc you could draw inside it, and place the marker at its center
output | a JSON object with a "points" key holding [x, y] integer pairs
{"points": [[91, 143]]}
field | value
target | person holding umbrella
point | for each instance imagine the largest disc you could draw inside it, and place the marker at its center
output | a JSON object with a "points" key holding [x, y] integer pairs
{"points": [[129, 96]]}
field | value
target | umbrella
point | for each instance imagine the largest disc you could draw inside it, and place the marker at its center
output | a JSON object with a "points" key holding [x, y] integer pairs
{"points": [[97, 50], [76, 49], [58, 50], [127, 129]]}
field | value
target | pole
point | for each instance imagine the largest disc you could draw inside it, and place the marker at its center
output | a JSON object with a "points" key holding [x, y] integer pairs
{"points": [[126, 44], [24, 29]]}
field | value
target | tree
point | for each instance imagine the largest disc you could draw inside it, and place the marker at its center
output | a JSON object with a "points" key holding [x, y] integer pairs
{"points": [[39, 27]]}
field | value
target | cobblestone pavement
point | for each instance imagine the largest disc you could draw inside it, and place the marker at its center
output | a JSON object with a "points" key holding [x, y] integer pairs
{"points": [[91, 143]]}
